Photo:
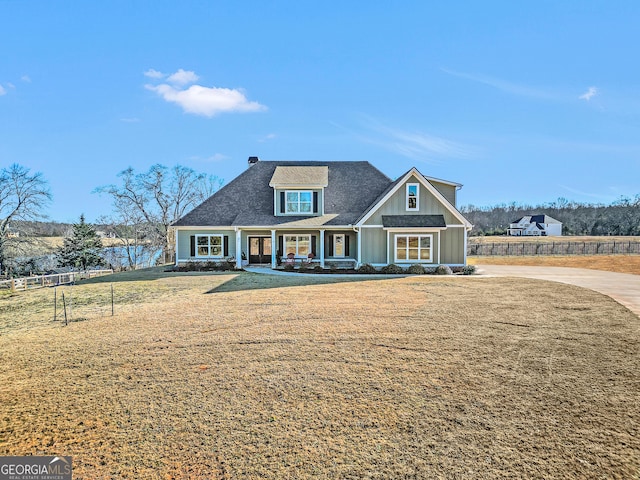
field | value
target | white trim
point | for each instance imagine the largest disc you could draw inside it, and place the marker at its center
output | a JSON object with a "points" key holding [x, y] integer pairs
{"points": [[321, 248], [298, 213], [465, 246], [209, 246], [406, 202], [176, 243], [239, 249], [430, 188], [284, 247], [344, 244], [440, 249], [418, 260], [274, 249]]}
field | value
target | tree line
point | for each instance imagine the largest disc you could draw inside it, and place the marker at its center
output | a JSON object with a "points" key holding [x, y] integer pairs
{"points": [[621, 217], [144, 205]]}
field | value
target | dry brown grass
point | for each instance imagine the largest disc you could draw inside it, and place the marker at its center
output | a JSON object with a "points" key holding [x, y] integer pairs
{"points": [[565, 238], [611, 263], [236, 376]]}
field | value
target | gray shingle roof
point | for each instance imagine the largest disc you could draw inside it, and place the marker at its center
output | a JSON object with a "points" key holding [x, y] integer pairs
{"points": [[248, 200], [420, 221]]}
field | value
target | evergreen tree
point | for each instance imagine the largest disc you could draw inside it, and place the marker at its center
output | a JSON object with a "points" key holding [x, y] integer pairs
{"points": [[82, 249]]}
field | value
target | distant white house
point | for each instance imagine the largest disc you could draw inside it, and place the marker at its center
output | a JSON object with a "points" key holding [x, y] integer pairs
{"points": [[535, 225]]}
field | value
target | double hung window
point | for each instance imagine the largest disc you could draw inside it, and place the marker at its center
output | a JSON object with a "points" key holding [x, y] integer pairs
{"points": [[413, 196], [299, 245], [209, 245], [299, 201]]}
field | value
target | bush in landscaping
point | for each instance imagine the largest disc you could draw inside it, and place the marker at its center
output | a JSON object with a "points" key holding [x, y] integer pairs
{"points": [[318, 269], [392, 269], [468, 269], [416, 269], [367, 268], [443, 270], [288, 267]]}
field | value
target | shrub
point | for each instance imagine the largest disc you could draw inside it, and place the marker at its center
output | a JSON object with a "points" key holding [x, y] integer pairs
{"points": [[443, 270], [367, 268], [318, 269], [392, 269], [468, 269], [430, 270], [416, 269], [304, 267], [288, 267]]}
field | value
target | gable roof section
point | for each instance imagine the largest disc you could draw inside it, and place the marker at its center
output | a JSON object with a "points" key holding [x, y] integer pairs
{"points": [[546, 219], [300, 177], [393, 188], [248, 199]]}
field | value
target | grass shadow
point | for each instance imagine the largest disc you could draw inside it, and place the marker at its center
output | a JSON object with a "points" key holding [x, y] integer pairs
{"points": [[146, 274], [259, 281]]}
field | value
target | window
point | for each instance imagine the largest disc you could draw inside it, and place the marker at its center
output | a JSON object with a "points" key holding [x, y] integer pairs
{"points": [[413, 248], [413, 196], [299, 202], [209, 245], [299, 245], [338, 245]]}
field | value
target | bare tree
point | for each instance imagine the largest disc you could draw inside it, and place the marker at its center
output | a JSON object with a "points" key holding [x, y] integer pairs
{"points": [[160, 196], [23, 197]]}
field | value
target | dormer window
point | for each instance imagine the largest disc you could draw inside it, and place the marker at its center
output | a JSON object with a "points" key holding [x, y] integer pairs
{"points": [[299, 201], [413, 196]]}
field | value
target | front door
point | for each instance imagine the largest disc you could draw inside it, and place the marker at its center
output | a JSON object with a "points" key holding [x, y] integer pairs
{"points": [[259, 249]]}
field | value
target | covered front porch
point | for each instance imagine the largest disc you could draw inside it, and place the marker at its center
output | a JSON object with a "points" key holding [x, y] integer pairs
{"points": [[275, 247]]}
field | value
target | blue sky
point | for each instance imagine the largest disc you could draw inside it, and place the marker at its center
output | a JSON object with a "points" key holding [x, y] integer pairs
{"points": [[519, 101]]}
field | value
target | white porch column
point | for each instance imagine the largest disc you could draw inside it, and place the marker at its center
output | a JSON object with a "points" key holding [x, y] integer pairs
{"points": [[238, 249], [322, 248], [358, 232], [274, 249], [176, 246]]}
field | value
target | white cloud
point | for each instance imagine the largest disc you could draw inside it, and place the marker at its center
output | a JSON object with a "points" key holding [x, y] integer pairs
{"points": [[25, 78], [504, 85], [182, 77], [416, 145], [268, 137], [2, 91], [207, 101], [151, 73], [592, 92]]}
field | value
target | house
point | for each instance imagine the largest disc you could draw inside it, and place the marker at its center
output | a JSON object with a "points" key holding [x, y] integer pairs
{"points": [[535, 225], [347, 213]]}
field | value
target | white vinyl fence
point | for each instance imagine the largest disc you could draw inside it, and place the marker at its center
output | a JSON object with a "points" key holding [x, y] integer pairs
{"points": [[40, 281]]}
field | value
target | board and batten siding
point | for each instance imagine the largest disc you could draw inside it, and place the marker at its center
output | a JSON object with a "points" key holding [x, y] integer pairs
{"points": [[452, 245], [396, 205], [184, 241], [374, 245], [447, 191]]}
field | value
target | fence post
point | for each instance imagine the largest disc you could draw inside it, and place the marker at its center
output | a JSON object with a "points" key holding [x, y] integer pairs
{"points": [[64, 305]]}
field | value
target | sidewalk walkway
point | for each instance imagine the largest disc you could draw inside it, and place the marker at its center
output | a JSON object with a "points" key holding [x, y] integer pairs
{"points": [[622, 287]]}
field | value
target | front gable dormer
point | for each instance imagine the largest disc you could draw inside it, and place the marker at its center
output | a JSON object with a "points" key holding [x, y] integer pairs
{"points": [[299, 190]]}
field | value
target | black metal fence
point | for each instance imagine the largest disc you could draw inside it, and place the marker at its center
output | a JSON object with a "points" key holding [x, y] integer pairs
{"points": [[554, 248]]}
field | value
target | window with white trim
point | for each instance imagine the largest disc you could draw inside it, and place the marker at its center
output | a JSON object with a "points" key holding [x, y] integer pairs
{"points": [[413, 196], [299, 201], [209, 245], [413, 248], [299, 245]]}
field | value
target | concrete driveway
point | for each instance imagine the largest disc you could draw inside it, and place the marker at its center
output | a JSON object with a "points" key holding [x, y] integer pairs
{"points": [[622, 287]]}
